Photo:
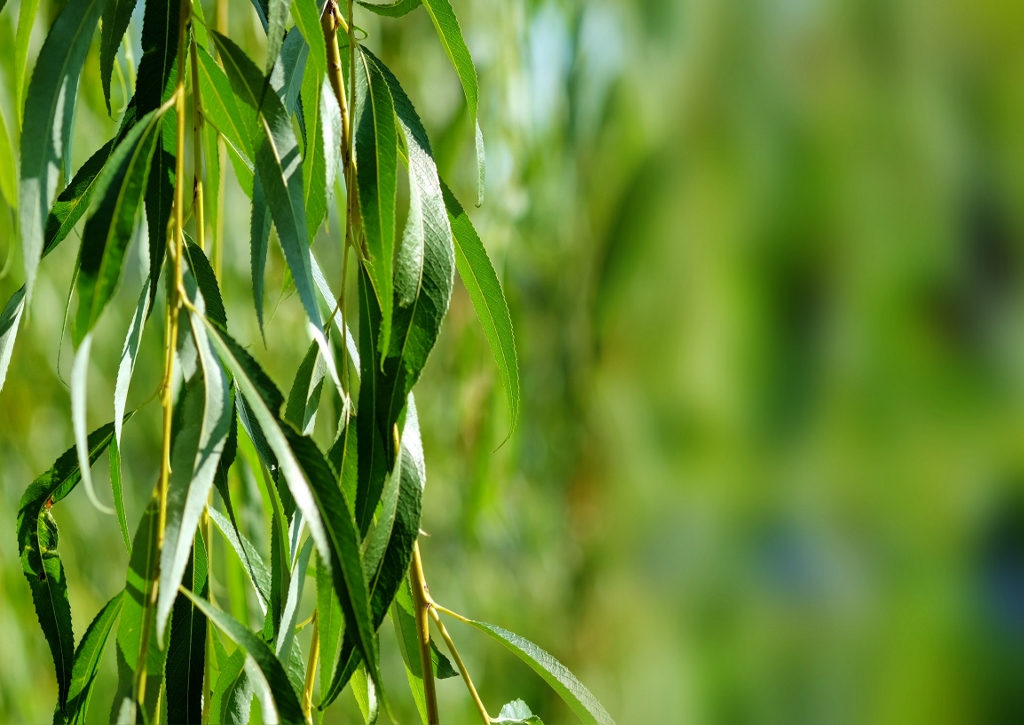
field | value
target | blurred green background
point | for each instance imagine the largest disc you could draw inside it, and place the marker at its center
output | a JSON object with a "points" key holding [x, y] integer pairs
{"points": [[764, 259]]}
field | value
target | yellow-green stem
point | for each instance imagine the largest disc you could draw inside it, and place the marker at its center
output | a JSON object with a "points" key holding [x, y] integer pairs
{"points": [[314, 654], [422, 602], [462, 667], [197, 152]]}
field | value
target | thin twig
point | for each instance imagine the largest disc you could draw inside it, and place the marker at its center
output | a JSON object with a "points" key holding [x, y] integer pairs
{"points": [[422, 598], [314, 654], [462, 667]]}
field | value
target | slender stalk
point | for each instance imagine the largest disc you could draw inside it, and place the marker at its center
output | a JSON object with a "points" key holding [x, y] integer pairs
{"points": [[422, 599], [462, 667], [218, 233], [314, 654], [174, 286], [329, 23], [197, 152]]}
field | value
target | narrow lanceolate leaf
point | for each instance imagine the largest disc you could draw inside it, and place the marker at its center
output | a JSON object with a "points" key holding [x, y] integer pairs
{"points": [[197, 448], [186, 652], [37, 546], [323, 131], [79, 383], [275, 684], [26, 20], [73, 202], [557, 675], [279, 165], [450, 33], [49, 107], [259, 244], [277, 15], [10, 318], [142, 574], [108, 230], [235, 121], [314, 486], [8, 169], [118, 489], [286, 632], [304, 397], [481, 282], [247, 554], [307, 18], [392, 10], [87, 659], [231, 698], [377, 181], [129, 354], [116, 16], [329, 621]]}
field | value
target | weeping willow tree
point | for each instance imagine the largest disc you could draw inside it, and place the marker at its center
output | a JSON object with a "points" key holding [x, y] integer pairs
{"points": [[321, 121]]}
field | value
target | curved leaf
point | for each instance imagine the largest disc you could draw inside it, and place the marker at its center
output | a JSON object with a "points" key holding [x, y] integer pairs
{"points": [[87, 659], [10, 318], [120, 188], [8, 167], [49, 107], [231, 698], [26, 20], [118, 490], [247, 554], [37, 547], [235, 121], [450, 33], [275, 678], [116, 16], [557, 675], [277, 15], [186, 652], [392, 10], [481, 282]]}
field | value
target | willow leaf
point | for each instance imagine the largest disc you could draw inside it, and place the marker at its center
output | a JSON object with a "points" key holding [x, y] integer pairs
{"points": [[450, 33], [231, 699], [195, 455], [377, 181], [37, 546], [8, 167], [73, 202], [557, 675], [118, 490], [277, 15], [320, 164], [10, 318], [120, 188], [49, 108], [247, 554], [279, 165], [186, 652], [304, 396], [481, 282], [392, 10], [286, 632], [330, 621], [235, 121], [307, 18], [116, 16], [274, 677], [87, 659], [314, 486], [79, 382], [26, 20], [517, 713], [130, 354]]}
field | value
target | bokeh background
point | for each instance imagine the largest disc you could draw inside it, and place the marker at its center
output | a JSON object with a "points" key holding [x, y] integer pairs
{"points": [[764, 260]]}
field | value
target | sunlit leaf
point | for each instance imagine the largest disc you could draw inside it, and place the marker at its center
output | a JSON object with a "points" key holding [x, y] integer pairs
{"points": [[87, 659], [10, 318], [118, 490], [517, 713], [23, 36], [247, 554], [8, 167], [49, 108], [286, 632], [557, 675], [481, 282], [392, 10], [274, 680], [231, 699], [235, 121], [277, 15]]}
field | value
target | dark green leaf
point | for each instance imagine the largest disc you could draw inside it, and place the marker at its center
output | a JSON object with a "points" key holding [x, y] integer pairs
{"points": [[450, 33], [186, 652], [377, 169], [276, 688], [279, 165], [392, 10], [37, 546], [116, 16], [73, 202], [231, 698], [481, 282], [557, 675], [277, 15], [87, 659], [330, 621], [304, 397], [286, 632], [10, 318], [206, 279], [49, 108], [108, 230]]}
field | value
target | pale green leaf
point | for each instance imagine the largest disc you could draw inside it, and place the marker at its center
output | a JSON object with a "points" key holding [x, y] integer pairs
{"points": [[392, 10], [87, 659]]}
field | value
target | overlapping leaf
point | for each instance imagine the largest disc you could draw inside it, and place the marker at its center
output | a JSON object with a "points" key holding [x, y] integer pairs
{"points": [[87, 659], [116, 16], [186, 651]]}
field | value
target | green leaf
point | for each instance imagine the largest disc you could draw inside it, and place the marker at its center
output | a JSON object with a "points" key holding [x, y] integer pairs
{"points": [[314, 487], [279, 166], [37, 547], [392, 10], [276, 688], [120, 188], [87, 659], [320, 164], [206, 279], [116, 16], [129, 355], [247, 554], [196, 452], [231, 699], [481, 282], [330, 621], [186, 652], [73, 202], [304, 397], [517, 713], [377, 180], [286, 632], [8, 167], [307, 18], [277, 15], [26, 20], [10, 318], [116, 486], [557, 675], [450, 33], [259, 245], [234, 120], [139, 583], [49, 108]]}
